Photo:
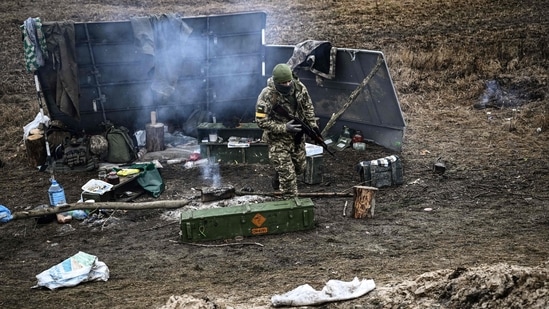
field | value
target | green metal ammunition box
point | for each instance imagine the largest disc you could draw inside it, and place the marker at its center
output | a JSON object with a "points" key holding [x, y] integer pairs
{"points": [[313, 170], [247, 220], [219, 152], [248, 130], [255, 152]]}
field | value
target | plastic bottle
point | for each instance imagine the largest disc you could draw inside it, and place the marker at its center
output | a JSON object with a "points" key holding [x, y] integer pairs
{"points": [[57, 198], [346, 132], [56, 193]]}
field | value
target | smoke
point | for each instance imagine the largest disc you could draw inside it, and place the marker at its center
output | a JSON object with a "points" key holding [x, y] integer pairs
{"points": [[216, 72], [172, 66], [499, 96], [210, 173], [492, 93]]}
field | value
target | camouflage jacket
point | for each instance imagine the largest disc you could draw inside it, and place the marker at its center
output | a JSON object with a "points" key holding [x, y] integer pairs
{"points": [[274, 124]]}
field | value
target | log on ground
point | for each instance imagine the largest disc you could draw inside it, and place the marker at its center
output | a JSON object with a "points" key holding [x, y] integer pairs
{"points": [[102, 205]]}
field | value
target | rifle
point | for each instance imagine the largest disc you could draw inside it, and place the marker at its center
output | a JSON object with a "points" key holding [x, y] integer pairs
{"points": [[306, 128]]}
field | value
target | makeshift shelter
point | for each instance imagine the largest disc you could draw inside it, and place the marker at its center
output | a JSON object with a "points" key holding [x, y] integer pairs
{"points": [[196, 69]]}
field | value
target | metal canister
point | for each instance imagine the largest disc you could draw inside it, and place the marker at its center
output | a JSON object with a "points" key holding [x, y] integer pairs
{"points": [[358, 138], [113, 178]]}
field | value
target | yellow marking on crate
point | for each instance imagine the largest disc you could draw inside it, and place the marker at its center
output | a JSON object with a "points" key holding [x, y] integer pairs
{"points": [[260, 230], [258, 220]]}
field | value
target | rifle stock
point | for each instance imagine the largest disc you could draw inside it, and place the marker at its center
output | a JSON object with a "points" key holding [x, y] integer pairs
{"points": [[305, 127]]}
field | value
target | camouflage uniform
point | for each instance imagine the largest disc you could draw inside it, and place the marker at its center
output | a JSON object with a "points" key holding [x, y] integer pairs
{"points": [[286, 150]]}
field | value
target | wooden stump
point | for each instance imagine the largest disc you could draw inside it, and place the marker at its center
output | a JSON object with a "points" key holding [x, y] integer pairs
{"points": [[364, 202], [35, 145], [155, 137]]}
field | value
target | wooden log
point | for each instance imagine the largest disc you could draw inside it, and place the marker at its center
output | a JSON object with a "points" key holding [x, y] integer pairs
{"points": [[154, 137], [35, 145], [36, 131], [102, 205], [364, 202]]}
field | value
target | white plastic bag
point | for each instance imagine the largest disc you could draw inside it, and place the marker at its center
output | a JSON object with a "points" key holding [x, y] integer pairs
{"points": [[79, 268], [40, 118], [334, 290], [141, 137]]}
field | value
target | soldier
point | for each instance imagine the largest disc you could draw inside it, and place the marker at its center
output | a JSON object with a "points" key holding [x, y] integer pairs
{"points": [[284, 136]]}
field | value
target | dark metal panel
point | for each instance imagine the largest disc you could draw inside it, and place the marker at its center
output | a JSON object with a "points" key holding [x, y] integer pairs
{"points": [[115, 73], [237, 23], [234, 96], [104, 32], [236, 65], [123, 52], [223, 59], [235, 45], [376, 110]]}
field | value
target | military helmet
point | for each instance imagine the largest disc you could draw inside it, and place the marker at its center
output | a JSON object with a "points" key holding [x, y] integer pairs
{"points": [[98, 145]]}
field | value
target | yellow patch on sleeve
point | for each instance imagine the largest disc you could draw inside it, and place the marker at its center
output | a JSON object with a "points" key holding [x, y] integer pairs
{"points": [[260, 115]]}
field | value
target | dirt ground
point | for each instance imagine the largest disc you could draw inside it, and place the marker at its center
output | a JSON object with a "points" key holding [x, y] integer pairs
{"points": [[483, 244]]}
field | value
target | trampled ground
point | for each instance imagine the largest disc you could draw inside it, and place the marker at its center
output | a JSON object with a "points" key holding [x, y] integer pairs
{"points": [[484, 243]]}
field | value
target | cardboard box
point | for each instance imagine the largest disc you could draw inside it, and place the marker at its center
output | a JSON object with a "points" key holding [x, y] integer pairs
{"points": [[247, 220]]}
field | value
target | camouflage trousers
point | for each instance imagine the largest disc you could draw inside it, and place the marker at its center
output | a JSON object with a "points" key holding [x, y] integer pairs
{"points": [[288, 160]]}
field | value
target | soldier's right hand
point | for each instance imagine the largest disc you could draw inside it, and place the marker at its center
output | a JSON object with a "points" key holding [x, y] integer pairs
{"points": [[292, 127]]}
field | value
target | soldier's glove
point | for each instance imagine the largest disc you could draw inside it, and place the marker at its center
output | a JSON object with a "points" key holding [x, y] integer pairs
{"points": [[291, 127]]}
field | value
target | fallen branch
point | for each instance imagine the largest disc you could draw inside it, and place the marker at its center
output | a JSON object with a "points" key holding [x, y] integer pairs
{"points": [[100, 205], [324, 194], [352, 97], [223, 245], [301, 194]]}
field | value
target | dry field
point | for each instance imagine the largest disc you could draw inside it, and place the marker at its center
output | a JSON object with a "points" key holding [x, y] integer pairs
{"points": [[485, 244]]}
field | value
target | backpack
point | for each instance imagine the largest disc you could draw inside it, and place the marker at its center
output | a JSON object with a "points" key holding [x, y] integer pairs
{"points": [[122, 148]]}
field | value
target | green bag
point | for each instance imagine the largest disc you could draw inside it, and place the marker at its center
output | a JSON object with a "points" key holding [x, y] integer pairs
{"points": [[150, 179], [121, 146]]}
